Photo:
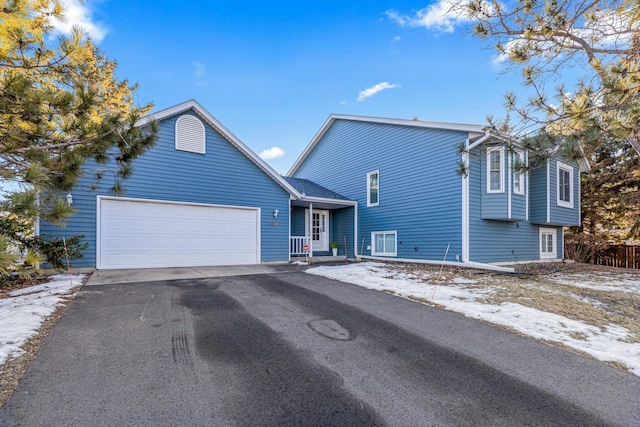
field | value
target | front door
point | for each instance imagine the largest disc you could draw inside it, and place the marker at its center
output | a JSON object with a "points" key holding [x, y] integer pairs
{"points": [[319, 230]]}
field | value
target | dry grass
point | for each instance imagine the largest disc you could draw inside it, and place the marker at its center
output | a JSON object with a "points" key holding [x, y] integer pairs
{"points": [[594, 307], [539, 286]]}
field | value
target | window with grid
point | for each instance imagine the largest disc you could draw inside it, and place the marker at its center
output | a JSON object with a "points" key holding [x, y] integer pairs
{"points": [[495, 177], [548, 243], [384, 243], [518, 174]]}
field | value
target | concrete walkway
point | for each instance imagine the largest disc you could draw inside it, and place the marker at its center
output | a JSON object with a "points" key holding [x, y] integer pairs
{"points": [[108, 277]]}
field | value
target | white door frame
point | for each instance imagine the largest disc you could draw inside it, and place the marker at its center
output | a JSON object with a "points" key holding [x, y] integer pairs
{"points": [[322, 243]]}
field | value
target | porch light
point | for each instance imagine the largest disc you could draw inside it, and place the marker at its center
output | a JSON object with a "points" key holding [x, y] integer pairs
{"points": [[276, 213], [69, 198]]}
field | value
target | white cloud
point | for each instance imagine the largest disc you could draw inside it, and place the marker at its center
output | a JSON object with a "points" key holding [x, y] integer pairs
{"points": [[441, 16], [370, 91], [200, 69], [78, 13], [271, 153]]}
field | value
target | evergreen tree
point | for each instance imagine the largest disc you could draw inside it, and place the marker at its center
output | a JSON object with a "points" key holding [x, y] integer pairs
{"points": [[600, 41], [61, 104]]}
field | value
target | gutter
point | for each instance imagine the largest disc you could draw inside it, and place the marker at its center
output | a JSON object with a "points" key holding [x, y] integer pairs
{"points": [[468, 264]]}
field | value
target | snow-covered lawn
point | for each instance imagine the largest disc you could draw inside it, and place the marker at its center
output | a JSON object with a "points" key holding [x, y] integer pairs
{"points": [[22, 314], [594, 312]]}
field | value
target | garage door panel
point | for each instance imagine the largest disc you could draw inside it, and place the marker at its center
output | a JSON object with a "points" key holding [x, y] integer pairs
{"points": [[159, 225], [138, 243], [139, 225], [139, 234], [137, 209], [115, 224]]}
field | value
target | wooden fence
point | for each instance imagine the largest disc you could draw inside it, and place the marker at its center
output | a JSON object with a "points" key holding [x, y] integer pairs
{"points": [[623, 256]]}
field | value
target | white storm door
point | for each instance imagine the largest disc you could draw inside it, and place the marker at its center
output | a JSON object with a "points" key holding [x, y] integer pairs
{"points": [[319, 229]]}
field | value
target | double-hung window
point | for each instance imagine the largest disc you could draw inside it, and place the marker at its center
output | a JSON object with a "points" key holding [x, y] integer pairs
{"points": [[565, 185], [384, 243], [495, 167], [518, 174], [373, 188]]}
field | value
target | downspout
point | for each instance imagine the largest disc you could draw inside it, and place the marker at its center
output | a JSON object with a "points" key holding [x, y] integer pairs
{"points": [[465, 202], [464, 263], [508, 158], [310, 231], [290, 213], [36, 225], [548, 192]]}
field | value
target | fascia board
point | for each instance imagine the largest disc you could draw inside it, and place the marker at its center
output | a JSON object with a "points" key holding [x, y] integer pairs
{"points": [[334, 201], [415, 123], [226, 134]]}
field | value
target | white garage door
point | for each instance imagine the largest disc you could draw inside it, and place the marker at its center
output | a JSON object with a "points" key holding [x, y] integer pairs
{"points": [[149, 234]]}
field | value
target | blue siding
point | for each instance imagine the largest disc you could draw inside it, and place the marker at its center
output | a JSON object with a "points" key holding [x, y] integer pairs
{"points": [[223, 176], [538, 196], [341, 227], [501, 241], [558, 215], [297, 221], [420, 190]]}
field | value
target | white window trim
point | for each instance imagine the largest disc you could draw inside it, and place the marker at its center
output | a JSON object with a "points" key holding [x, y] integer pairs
{"points": [[563, 203], [554, 234], [489, 151], [373, 243], [376, 172], [518, 157]]}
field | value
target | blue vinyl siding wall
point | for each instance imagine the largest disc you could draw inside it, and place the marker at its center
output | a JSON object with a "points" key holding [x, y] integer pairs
{"points": [[420, 190], [499, 240], [538, 195], [341, 227], [297, 221], [223, 176], [558, 215]]}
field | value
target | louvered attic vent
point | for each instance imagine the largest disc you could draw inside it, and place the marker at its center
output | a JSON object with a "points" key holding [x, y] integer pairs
{"points": [[190, 134]]}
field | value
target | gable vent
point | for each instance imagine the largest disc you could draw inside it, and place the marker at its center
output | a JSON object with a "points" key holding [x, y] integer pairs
{"points": [[190, 134]]}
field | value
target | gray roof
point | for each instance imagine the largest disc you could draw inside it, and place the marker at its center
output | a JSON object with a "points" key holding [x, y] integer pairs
{"points": [[311, 189]]}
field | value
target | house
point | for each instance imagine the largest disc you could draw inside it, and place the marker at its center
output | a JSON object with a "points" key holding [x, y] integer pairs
{"points": [[380, 188], [198, 197], [428, 190]]}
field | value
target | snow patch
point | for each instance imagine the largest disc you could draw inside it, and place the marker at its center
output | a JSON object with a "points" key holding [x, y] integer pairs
{"points": [[22, 314]]}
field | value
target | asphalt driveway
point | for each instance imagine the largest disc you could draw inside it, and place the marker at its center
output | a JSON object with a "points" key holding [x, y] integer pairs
{"points": [[286, 348]]}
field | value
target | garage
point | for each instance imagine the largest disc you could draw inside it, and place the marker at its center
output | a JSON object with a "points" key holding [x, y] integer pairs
{"points": [[138, 233]]}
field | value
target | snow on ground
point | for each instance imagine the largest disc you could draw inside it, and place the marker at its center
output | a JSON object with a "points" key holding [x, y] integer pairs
{"points": [[465, 296], [22, 314]]}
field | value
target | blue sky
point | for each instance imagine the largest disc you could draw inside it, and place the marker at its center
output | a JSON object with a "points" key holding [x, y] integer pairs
{"points": [[272, 72]]}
